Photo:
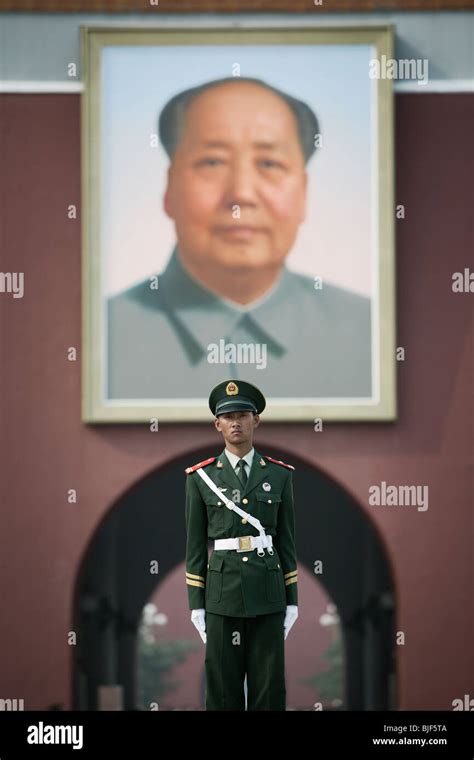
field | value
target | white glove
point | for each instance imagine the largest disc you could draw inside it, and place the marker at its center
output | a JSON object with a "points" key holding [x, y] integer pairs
{"points": [[290, 617], [199, 619]]}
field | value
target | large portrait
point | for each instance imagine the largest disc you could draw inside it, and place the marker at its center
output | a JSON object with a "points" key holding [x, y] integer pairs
{"points": [[238, 221]]}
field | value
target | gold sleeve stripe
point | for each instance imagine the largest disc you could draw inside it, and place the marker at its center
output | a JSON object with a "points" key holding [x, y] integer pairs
{"points": [[293, 572], [195, 583], [196, 577], [291, 580]]}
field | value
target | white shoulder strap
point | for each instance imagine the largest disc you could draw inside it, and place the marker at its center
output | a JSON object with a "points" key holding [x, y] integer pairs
{"points": [[230, 504]]}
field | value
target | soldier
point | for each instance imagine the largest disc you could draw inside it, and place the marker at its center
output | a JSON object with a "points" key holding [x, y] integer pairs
{"points": [[244, 596]]}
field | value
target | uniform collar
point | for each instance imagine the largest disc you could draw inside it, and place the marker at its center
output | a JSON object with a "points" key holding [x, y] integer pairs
{"points": [[233, 458], [228, 477], [203, 317]]}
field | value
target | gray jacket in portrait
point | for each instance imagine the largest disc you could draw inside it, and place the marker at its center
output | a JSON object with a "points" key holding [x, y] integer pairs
{"points": [[298, 341]]}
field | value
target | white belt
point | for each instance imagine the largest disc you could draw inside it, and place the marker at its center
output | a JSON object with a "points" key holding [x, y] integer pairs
{"points": [[245, 543]]}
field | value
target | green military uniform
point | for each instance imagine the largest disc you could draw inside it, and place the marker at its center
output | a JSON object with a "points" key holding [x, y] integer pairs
{"points": [[240, 590]]}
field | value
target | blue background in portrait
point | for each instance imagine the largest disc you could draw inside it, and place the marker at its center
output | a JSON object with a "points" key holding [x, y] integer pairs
{"points": [[336, 239]]}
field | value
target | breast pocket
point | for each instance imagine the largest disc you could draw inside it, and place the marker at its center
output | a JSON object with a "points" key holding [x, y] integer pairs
{"points": [[267, 508], [215, 511]]}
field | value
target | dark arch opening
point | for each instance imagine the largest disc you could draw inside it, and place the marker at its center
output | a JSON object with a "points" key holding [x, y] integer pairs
{"points": [[114, 580]]}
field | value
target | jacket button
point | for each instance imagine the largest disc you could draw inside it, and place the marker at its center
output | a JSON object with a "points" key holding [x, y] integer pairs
{"points": [[278, 565], [245, 559], [269, 501], [244, 520], [219, 503], [245, 501]]}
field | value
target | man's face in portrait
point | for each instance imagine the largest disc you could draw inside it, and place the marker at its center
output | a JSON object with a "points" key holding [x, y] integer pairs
{"points": [[239, 147], [237, 427]]}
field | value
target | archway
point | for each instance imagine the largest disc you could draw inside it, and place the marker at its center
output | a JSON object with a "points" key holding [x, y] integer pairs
{"points": [[146, 525]]}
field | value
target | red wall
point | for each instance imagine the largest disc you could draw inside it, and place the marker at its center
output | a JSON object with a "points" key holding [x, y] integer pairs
{"points": [[46, 449]]}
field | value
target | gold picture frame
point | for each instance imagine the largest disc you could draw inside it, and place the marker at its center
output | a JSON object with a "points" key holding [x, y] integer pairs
{"points": [[100, 407]]}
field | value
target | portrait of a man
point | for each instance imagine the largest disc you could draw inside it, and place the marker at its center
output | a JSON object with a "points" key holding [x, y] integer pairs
{"points": [[237, 195], [239, 222]]}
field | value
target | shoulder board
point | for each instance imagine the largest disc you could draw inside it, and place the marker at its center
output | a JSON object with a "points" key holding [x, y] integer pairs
{"points": [[188, 470], [278, 461]]}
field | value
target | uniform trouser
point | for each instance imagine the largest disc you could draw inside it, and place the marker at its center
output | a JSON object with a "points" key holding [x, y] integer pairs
{"points": [[236, 646]]}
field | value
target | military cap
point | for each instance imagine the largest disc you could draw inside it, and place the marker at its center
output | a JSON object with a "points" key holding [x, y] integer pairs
{"points": [[236, 396]]}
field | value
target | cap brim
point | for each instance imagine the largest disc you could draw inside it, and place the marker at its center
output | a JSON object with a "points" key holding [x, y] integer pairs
{"points": [[235, 406]]}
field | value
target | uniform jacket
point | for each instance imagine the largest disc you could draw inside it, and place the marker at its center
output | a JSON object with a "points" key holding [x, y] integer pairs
{"points": [[241, 584]]}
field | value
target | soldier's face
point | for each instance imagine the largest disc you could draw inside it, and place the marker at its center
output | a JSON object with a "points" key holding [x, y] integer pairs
{"points": [[237, 427], [237, 183]]}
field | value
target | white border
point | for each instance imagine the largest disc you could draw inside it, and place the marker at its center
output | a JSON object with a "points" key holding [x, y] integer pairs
{"points": [[70, 88]]}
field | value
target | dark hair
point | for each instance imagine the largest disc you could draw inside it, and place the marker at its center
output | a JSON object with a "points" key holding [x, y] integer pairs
{"points": [[172, 116]]}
